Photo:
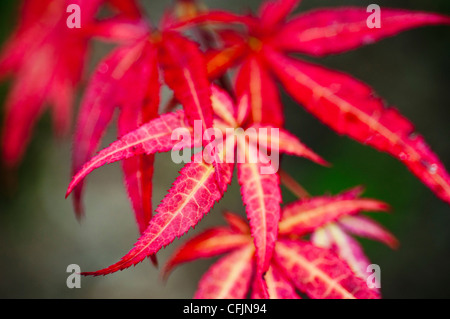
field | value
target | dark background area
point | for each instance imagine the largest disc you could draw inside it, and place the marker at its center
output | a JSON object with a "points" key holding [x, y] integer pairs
{"points": [[40, 237]]}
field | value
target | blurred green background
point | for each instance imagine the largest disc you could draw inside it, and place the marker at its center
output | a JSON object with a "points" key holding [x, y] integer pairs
{"points": [[40, 237]]}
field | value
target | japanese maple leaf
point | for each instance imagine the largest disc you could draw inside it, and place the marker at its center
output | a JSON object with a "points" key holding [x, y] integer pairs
{"points": [[345, 104], [325, 218], [129, 78], [330, 220], [336, 236], [46, 58], [196, 190], [296, 264]]}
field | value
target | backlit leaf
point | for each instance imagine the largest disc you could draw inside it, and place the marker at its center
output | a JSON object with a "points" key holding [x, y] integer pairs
{"points": [[229, 278], [191, 197], [318, 273], [350, 107]]}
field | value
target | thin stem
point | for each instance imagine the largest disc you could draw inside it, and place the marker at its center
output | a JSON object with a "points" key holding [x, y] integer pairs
{"points": [[293, 186]]}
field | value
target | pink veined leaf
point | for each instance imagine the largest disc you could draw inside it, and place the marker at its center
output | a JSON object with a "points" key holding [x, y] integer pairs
{"points": [[152, 137], [273, 12], [224, 109], [97, 108], [192, 196], [260, 193], [237, 223], [210, 243], [138, 108], [284, 141], [278, 286], [228, 278], [349, 107], [319, 272], [185, 73], [336, 30], [349, 250], [305, 216], [138, 174], [365, 227], [265, 104]]}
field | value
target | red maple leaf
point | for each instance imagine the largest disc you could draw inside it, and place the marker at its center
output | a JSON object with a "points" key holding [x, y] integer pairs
{"points": [[195, 191], [324, 272], [143, 54], [239, 122], [46, 58], [345, 104], [262, 53]]}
